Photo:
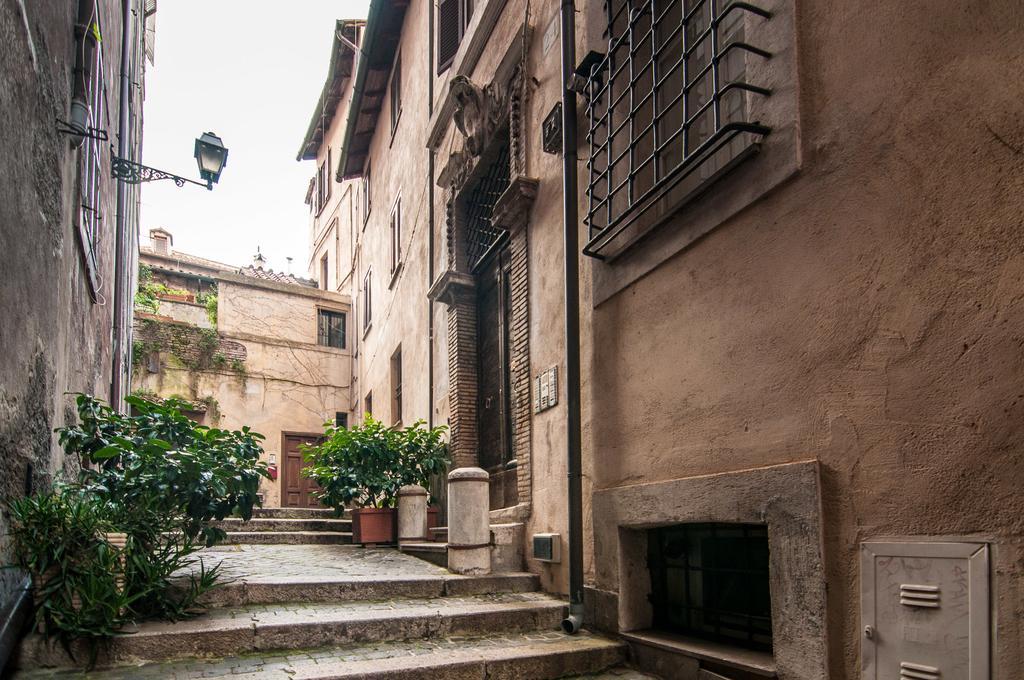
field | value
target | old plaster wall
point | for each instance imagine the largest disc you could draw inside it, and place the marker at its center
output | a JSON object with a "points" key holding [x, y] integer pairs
{"points": [[55, 338], [288, 382], [398, 170], [867, 314]]}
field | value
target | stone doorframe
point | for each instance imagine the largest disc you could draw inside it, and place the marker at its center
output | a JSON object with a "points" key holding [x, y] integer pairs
{"points": [[480, 114]]}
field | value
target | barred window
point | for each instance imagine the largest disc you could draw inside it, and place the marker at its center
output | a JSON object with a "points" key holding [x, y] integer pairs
{"points": [[668, 109], [330, 329], [90, 160]]}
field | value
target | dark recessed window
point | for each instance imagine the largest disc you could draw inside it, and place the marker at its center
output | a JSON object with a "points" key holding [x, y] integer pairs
{"points": [[396, 93], [367, 299], [711, 581], [396, 386], [396, 236], [452, 20], [330, 329], [340, 419], [368, 404], [367, 198]]}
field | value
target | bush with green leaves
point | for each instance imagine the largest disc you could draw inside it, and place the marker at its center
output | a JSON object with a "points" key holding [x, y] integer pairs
{"points": [[367, 464], [155, 476]]}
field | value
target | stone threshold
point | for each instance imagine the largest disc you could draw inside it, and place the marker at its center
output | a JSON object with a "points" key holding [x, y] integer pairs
{"points": [[222, 632], [758, 663]]}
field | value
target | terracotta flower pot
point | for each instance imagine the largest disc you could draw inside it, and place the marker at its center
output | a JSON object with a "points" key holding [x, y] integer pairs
{"points": [[373, 526]]}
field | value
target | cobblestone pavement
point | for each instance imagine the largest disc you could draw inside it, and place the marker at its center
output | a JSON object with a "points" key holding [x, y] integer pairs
{"points": [[256, 563], [267, 666]]}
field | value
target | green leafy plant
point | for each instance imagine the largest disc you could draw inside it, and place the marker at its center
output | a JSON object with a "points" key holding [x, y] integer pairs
{"points": [[367, 464], [209, 300], [160, 482], [147, 297]]}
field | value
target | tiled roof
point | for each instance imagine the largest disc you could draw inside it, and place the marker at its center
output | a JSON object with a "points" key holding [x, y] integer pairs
{"points": [[279, 277]]}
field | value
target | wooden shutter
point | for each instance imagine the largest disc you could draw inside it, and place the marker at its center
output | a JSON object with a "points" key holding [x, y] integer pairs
{"points": [[449, 33]]}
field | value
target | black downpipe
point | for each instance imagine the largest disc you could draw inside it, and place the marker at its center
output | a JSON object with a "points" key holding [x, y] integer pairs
{"points": [[570, 217], [121, 257], [430, 220]]}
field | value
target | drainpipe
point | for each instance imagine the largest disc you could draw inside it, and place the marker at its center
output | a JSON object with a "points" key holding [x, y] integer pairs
{"points": [[121, 226], [430, 223], [570, 218]]}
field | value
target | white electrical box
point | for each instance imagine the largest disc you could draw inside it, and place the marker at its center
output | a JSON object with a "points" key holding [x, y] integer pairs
{"points": [[925, 611], [547, 547], [545, 390]]}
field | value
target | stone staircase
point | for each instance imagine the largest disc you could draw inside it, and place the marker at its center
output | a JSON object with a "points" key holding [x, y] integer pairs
{"points": [[289, 526], [321, 611]]}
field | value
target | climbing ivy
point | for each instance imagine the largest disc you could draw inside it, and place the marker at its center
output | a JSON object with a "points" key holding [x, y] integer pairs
{"points": [[148, 296]]}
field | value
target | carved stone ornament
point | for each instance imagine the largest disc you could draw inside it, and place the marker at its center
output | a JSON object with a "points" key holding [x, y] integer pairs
{"points": [[478, 111]]}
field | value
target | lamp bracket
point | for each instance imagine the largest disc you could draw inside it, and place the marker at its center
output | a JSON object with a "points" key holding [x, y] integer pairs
{"points": [[66, 128], [131, 172]]}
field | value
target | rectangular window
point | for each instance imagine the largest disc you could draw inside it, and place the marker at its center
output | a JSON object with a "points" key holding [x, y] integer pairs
{"points": [[396, 386], [396, 93], [367, 299], [368, 404], [91, 162], [330, 328], [323, 183], [711, 581], [668, 110], [452, 20], [340, 419], [396, 236], [365, 185], [324, 271]]}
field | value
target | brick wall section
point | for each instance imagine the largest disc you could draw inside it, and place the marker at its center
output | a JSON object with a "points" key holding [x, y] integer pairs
{"points": [[184, 341], [462, 380], [519, 362]]}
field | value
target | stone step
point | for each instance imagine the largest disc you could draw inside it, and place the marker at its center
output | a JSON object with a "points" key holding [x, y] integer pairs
{"points": [[536, 655], [285, 589], [297, 513], [433, 552], [288, 538], [285, 524], [235, 630], [439, 534]]}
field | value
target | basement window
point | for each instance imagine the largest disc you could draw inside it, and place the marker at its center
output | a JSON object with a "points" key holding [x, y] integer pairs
{"points": [[710, 581], [452, 21], [669, 110]]}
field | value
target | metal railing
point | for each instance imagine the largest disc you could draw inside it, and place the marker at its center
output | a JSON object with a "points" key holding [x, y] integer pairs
{"points": [[668, 97]]}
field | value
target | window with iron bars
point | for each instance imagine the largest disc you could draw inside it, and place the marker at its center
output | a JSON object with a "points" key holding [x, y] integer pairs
{"points": [[90, 162], [668, 109]]}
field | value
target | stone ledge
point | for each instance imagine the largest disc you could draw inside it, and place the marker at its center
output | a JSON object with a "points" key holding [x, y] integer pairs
{"points": [[758, 663]]}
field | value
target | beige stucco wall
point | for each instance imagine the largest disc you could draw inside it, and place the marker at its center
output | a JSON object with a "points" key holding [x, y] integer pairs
{"points": [[290, 384], [866, 314]]}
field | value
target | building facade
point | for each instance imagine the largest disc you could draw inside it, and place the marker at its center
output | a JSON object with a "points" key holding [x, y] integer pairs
{"points": [[247, 346], [72, 83], [799, 312]]}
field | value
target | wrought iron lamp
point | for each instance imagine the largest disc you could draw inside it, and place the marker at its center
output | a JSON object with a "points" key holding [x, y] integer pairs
{"points": [[211, 156]]}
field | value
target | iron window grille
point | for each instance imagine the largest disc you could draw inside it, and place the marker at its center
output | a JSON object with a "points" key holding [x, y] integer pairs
{"points": [[330, 329], [452, 20], [711, 581], [482, 237], [668, 109], [90, 162]]}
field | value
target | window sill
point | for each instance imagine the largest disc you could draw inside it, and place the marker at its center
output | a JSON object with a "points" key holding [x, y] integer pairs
{"points": [[758, 663], [395, 275]]}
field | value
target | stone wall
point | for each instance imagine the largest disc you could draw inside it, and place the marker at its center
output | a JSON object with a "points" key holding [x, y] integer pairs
{"points": [[55, 334]]}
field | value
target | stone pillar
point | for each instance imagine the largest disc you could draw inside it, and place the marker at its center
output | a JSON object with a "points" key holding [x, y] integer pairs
{"points": [[412, 514], [469, 521]]}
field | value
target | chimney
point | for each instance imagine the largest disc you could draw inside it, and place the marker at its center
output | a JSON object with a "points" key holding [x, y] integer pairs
{"points": [[258, 261], [161, 240]]}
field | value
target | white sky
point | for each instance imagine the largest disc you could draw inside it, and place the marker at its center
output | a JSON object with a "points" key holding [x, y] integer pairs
{"points": [[250, 71]]}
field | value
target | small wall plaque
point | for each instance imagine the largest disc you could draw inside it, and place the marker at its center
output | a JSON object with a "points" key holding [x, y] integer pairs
{"points": [[551, 130], [545, 391]]}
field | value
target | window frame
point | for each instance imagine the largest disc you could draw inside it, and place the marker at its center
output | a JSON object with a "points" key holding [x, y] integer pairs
{"points": [[367, 300], [395, 226], [395, 94], [90, 167], [463, 15], [323, 340], [366, 193], [324, 181], [396, 386]]}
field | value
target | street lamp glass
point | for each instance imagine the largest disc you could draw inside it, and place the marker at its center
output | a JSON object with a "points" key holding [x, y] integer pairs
{"points": [[211, 155]]}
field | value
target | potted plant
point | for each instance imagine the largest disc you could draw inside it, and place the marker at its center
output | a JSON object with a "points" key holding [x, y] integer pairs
{"points": [[364, 466]]}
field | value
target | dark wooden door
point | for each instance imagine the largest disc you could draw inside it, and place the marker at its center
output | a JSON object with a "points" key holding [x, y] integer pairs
{"points": [[494, 410], [296, 489]]}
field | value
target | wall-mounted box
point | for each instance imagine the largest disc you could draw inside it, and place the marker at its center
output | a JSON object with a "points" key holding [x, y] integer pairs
{"points": [[545, 390], [547, 547], [925, 611]]}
